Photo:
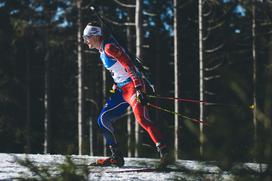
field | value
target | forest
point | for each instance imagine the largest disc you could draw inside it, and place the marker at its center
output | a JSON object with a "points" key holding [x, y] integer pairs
{"points": [[217, 53]]}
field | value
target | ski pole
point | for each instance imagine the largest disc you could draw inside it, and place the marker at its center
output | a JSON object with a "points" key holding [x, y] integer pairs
{"points": [[176, 113], [179, 99], [199, 101], [92, 8]]}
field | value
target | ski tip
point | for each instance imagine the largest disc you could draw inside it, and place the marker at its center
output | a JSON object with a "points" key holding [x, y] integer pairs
{"points": [[93, 164]]}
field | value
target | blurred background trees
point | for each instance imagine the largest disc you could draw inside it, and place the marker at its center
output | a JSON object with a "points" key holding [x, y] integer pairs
{"points": [[40, 50]]}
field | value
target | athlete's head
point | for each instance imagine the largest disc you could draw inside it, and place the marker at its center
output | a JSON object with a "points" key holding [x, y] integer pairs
{"points": [[92, 35]]}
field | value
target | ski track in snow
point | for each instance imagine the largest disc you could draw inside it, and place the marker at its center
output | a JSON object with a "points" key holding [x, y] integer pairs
{"points": [[134, 169]]}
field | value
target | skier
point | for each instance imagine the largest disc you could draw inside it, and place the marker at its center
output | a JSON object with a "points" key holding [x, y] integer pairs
{"points": [[129, 89]]}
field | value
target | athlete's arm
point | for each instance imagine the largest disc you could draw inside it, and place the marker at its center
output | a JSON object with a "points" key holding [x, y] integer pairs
{"points": [[117, 53]]}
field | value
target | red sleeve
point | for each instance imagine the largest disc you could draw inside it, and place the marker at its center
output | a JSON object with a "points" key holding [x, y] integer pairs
{"points": [[119, 54]]}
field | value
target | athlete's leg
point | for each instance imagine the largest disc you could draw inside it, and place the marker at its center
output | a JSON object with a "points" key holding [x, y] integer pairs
{"points": [[141, 113], [113, 109], [142, 117]]}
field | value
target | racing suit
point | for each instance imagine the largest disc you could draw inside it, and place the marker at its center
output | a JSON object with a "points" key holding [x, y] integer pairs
{"points": [[127, 78]]}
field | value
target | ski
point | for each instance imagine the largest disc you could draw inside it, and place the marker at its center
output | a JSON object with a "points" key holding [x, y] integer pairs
{"points": [[95, 164], [125, 170], [111, 169], [99, 165]]}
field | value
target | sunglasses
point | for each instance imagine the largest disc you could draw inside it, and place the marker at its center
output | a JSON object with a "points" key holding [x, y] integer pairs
{"points": [[86, 38]]}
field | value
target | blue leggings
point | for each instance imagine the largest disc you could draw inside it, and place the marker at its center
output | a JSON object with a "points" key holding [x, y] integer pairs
{"points": [[114, 108]]}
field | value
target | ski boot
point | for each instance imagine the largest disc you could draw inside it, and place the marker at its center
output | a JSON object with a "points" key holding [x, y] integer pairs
{"points": [[165, 158], [116, 159]]}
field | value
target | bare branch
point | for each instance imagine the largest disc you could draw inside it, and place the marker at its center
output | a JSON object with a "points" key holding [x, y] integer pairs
{"points": [[125, 5], [212, 77], [222, 18], [215, 49], [209, 93], [208, 13], [210, 7], [150, 14], [266, 24], [214, 67], [93, 102], [216, 26], [206, 36]]}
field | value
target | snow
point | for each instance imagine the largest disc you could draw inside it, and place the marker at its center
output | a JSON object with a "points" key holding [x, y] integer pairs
{"points": [[134, 169]]}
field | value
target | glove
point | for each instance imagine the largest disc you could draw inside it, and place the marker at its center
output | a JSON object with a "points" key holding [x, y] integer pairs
{"points": [[141, 97]]}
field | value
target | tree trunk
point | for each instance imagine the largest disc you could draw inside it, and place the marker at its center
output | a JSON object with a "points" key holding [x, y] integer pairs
{"points": [[268, 92], [28, 107], [268, 108], [201, 76], [158, 58], [176, 74], [139, 37], [129, 117], [253, 29], [79, 78], [104, 88], [47, 113], [91, 135]]}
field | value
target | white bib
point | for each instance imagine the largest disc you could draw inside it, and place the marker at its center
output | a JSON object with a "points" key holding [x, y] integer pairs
{"points": [[118, 72]]}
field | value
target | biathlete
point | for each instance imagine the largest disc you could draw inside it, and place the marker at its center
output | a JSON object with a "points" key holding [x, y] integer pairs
{"points": [[129, 91]]}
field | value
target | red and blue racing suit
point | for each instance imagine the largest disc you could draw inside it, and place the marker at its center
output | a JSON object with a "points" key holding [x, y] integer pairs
{"points": [[127, 78]]}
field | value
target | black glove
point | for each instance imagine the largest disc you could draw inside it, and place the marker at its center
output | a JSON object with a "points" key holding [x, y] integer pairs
{"points": [[141, 97]]}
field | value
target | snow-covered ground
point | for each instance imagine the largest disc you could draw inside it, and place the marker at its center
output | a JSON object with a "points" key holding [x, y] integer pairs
{"points": [[134, 169]]}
